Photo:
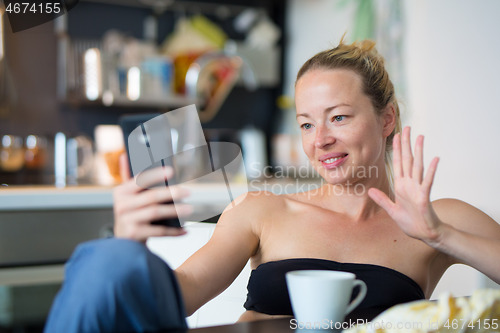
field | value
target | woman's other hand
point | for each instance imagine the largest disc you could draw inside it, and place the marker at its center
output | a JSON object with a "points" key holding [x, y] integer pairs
{"points": [[412, 209], [135, 208]]}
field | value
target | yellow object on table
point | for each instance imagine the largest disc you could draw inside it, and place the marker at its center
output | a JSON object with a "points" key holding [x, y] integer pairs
{"points": [[477, 313]]}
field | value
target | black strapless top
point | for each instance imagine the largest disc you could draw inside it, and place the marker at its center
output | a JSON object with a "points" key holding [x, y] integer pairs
{"points": [[267, 290]]}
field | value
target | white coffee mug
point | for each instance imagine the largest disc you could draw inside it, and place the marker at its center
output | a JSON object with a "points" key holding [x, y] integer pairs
{"points": [[319, 297]]}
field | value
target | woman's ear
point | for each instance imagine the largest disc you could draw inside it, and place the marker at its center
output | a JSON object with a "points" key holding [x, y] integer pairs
{"points": [[388, 119]]}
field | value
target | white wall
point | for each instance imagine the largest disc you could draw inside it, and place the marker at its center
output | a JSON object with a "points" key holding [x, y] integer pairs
{"points": [[453, 54], [453, 72], [453, 93]]}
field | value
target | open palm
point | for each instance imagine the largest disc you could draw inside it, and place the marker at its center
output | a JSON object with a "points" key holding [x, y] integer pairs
{"points": [[412, 209]]}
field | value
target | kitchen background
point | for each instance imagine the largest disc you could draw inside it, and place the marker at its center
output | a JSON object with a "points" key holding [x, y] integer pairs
{"points": [[442, 55], [46, 86]]}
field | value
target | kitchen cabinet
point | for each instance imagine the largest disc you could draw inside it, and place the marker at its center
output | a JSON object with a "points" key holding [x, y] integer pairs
{"points": [[39, 228], [42, 225]]}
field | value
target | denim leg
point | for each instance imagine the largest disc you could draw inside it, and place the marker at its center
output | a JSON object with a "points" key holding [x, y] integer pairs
{"points": [[116, 285]]}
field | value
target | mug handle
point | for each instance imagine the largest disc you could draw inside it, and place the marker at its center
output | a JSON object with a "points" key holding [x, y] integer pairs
{"points": [[361, 295]]}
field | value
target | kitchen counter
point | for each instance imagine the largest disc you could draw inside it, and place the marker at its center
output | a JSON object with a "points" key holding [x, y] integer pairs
{"points": [[31, 275], [51, 197], [42, 225], [88, 196]]}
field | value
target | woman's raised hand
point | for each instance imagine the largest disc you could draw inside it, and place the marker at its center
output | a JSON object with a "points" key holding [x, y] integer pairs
{"points": [[411, 209], [135, 208]]}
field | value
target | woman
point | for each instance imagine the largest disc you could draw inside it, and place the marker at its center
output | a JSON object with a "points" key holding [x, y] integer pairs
{"points": [[393, 238]]}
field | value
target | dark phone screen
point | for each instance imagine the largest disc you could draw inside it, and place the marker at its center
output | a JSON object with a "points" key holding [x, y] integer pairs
{"points": [[128, 124]]}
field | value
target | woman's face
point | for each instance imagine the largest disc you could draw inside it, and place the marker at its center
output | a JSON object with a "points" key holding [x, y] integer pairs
{"points": [[342, 135]]}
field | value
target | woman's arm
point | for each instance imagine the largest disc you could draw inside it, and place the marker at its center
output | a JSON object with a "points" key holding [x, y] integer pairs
{"points": [[214, 267], [468, 236], [460, 231]]}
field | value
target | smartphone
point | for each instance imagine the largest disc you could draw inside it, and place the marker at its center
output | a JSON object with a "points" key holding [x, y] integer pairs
{"points": [[143, 144]]}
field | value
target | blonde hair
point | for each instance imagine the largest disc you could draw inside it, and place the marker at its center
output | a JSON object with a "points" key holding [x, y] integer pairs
{"points": [[362, 58]]}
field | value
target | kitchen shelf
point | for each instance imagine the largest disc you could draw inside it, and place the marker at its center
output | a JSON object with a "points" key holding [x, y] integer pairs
{"points": [[71, 81], [172, 100], [164, 102]]}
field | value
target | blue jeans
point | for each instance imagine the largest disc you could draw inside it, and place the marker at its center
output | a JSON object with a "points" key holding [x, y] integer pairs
{"points": [[116, 285]]}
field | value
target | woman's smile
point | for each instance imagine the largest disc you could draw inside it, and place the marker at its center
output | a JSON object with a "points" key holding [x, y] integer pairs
{"points": [[333, 160]]}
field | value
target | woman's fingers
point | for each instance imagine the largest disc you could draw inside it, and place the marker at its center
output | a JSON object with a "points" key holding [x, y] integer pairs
{"points": [[405, 163], [149, 197], [418, 165], [406, 153], [137, 224], [429, 176], [147, 179], [161, 195], [396, 156], [154, 177], [157, 212]]}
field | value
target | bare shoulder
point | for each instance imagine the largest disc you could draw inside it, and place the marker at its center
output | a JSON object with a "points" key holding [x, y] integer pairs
{"points": [[254, 206], [466, 217], [255, 202], [455, 207]]}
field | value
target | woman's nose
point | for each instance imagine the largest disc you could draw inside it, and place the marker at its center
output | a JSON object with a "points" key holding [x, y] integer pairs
{"points": [[323, 137]]}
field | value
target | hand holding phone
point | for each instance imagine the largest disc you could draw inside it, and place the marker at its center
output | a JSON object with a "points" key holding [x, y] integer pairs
{"points": [[149, 147], [135, 208], [176, 139]]}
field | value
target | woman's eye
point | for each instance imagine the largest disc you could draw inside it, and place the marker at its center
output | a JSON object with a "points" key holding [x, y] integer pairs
{"points": [[306, 126], [338, 118]]}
